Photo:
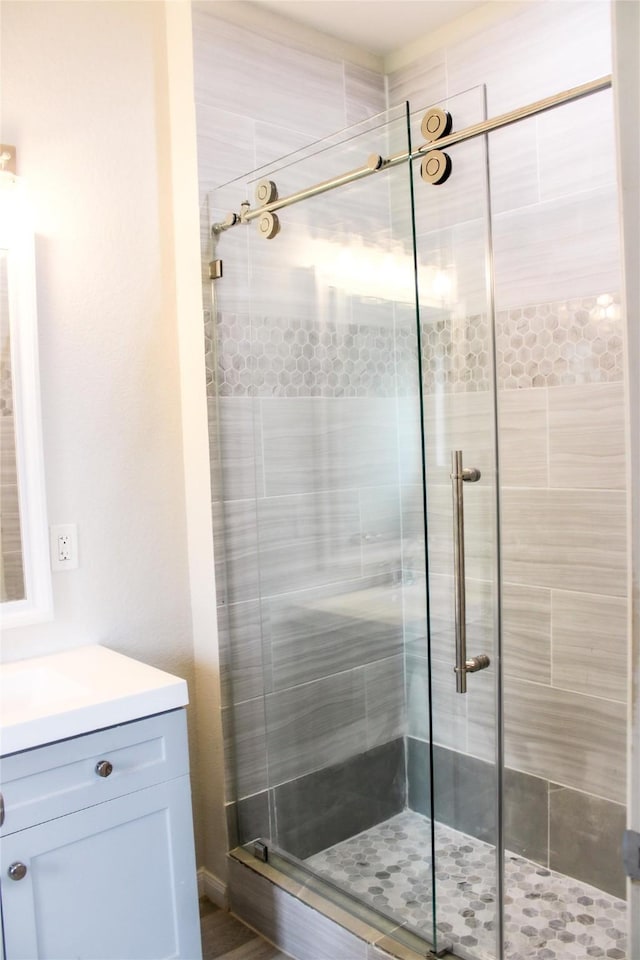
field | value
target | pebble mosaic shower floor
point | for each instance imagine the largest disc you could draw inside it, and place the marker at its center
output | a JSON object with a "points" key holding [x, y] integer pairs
{"points": [[548, 916]]}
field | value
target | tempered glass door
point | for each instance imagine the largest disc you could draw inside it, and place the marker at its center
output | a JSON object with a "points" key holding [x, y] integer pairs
{"points": [[319, 412], [460, 728]]}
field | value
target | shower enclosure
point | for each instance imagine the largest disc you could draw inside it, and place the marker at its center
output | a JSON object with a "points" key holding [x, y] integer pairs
{"points": [[417, 435]]}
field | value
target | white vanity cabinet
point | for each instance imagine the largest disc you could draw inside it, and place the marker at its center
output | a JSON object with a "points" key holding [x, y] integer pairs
{"points": [[96, 851]]}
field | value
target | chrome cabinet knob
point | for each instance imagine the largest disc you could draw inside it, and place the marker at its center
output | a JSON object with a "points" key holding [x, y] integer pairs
{"points": [[104, 768], [17, 871]]}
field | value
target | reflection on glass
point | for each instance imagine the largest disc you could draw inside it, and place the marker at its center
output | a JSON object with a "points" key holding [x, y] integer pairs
{"points": [[11, 573]]}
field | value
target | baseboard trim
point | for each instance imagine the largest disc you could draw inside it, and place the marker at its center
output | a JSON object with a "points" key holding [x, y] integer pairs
{"points": [[213, 888]]}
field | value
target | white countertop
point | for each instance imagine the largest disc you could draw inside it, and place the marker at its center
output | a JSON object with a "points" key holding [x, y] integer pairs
{"points": [[44, 699]]}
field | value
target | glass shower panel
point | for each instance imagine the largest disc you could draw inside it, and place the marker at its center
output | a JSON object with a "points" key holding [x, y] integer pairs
{"points": [[460, 729], [562, 458], [324, 532]]}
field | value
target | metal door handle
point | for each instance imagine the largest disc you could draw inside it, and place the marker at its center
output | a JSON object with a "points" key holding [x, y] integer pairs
{"points": [[459, 476]]}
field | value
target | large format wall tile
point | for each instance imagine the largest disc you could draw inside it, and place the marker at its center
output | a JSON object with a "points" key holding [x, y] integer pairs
{"points": [[241, 446], [273, 142], [281, 266], [325, 631], [449, 710], [382, 540], [452, 254], [526, 813], [585, 839], [523, 438], [385, 700], [248, 819], [223, 79], [513, 165], [526, 632], [225, 146], [245, 748], [459, 421], [557, 250], [566, 737], [465, 794], [479, 529], [315, 725], [308, 541], [423, 83], [317, 444], [321, 809], [482, 709], [538, 51], [590, 644], [237, 532], [569, 539], [364, 93], [245, 669], [565, 166], [465, 798], [587, 436]]}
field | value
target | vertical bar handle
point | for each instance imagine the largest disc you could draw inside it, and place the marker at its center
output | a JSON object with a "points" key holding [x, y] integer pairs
{"points": [[459, 476]]}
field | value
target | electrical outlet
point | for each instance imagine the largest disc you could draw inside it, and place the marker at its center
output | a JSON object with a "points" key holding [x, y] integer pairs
{"points": [[63, 541]]}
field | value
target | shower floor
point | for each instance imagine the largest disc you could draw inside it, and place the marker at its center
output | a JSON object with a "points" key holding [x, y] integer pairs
{"points": [[548, 916]]}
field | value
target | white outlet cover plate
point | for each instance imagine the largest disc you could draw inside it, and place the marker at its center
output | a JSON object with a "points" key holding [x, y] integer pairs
{"points": [[70, 532]]}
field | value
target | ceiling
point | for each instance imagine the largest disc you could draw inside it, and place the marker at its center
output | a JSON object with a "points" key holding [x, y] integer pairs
{"points": [[379, 26]]}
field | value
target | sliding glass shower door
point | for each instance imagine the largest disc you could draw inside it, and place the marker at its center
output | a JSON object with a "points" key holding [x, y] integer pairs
{"points": [[355, 391], [319, 414], [461, 652]]}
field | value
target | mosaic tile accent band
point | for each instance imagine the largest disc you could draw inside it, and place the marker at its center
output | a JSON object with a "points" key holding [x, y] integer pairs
{"points": [[552, 344], [547, 916], [273, 357], [545, 345]]}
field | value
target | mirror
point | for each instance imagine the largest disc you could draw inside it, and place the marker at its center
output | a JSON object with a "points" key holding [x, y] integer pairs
{"points": [[25, 580]]}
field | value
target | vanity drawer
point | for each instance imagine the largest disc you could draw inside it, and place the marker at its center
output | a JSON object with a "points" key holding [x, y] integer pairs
{"points": [[62, 777]]}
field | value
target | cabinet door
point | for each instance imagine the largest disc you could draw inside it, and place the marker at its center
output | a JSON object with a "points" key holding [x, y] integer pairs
{"points": [[113, 882]]}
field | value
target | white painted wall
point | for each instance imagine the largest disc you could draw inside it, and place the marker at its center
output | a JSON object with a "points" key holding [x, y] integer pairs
{"points": [[86, 99]]}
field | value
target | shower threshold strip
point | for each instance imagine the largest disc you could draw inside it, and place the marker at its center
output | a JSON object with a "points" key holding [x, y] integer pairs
{"points": [[377, 163], [343, 906]]}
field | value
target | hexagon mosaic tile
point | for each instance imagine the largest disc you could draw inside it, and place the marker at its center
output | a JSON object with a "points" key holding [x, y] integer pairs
{"points": [[544, 345], [548, 916], [292, 358]]}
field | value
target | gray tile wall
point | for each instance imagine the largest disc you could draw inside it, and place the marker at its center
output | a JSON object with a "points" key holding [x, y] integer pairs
{"points": [[317, 810], [567, 830], [561, 416]]}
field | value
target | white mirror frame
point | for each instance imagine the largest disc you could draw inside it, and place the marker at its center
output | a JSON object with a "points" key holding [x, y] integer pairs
{"points": [[17, 238]]}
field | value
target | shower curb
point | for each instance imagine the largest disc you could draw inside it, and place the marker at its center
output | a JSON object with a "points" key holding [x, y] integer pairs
{"points": [[294, 917]]}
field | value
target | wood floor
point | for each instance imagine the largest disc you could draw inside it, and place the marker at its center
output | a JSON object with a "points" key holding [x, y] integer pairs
{"points": [[225, 938]]}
